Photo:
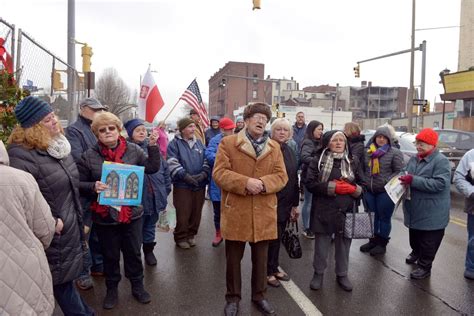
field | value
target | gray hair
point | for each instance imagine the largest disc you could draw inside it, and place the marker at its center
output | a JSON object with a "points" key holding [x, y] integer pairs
{"points": [[281, 122]]}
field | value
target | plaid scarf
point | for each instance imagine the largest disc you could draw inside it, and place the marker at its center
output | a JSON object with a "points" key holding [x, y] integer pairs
{"points": [[258, 144], [375, 153], [327, 162]]}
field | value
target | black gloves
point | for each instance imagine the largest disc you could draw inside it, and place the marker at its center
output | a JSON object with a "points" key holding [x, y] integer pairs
{"points": [[190, 180], [200, 177]]}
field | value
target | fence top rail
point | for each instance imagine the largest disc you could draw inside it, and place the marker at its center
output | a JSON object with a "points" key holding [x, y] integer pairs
{"points": [[12, 26], [22, 33]]}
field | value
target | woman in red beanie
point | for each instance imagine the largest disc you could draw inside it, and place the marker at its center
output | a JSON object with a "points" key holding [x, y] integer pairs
{"points": [[428, 176]]}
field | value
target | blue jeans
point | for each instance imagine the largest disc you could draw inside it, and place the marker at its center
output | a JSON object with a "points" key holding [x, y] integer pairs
{"points": [[470, 243], [149, 226], [217, 214], [97, 260], [306, 209], [70, 301], [382, 206]]}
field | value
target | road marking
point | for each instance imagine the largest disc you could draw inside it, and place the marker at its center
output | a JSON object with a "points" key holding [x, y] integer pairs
{"points": [[298, 296], [458, 221]]}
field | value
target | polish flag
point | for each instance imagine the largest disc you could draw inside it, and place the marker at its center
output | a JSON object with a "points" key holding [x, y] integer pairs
{"points": [[150, 101]]}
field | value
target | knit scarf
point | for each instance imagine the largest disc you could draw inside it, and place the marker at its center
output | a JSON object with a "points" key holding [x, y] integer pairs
{"points": [[59, 147], [327, 162], [258, 144], [375, 153], [114, 155]]}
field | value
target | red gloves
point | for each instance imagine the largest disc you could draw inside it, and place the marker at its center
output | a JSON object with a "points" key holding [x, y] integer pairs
{"points": [[406, 179], [342, 187]]}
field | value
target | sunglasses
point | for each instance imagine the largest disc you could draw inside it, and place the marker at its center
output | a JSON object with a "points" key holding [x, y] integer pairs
{"points": [[111, 128]]}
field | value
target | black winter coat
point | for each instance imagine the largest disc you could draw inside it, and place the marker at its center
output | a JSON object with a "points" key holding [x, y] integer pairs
{"points": [[357, 148], [328, 210], [288, 197], [90, 170], [58, 181], [309, 147]]}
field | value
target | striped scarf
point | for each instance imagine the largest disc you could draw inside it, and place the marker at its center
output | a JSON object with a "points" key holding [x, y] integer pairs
{"points": [[375, 153], [258, 144], [327, 161]]}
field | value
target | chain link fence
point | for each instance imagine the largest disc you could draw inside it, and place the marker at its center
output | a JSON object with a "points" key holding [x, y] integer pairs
{"points": [[46, 75]]}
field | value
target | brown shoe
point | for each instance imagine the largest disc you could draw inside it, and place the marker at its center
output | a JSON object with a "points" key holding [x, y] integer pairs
{"points": [[272, 281]]}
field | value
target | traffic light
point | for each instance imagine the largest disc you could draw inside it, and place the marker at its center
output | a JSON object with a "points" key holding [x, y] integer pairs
{"points": [[86, 53], [223, 82], [256, 4], [426, 108], [57, 83], [357, 71]]}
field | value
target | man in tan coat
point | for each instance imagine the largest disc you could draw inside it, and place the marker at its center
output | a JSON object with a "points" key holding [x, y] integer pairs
{"points": [[27, 228], [250, 170], [199, 132]]}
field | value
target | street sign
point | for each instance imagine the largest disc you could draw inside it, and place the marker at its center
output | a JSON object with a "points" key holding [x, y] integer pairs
{"points": [[420, 102]]}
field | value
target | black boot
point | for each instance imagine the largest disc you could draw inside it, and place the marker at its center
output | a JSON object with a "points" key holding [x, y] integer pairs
{"points": [[381, 246], [139, 292], [150, 258], [368, 246], [111, 298]]}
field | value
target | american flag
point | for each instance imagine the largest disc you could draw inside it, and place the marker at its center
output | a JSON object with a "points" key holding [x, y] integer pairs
{"points": [[192, 96]]}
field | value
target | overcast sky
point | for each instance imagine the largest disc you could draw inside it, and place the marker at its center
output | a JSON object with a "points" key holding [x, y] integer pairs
{"points": [[316, 42]]}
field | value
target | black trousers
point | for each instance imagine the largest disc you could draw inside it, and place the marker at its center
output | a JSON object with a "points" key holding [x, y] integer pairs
{"points": [[126, 238], [234, 251], [425, 244], [188, 206], [274, 250]]}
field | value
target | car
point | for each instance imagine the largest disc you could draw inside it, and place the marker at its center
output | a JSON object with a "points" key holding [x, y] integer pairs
{"points": [[405, 140], [461, 140]]}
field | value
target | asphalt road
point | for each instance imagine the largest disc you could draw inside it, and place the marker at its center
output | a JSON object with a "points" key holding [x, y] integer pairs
{"points": [[192, 282]]}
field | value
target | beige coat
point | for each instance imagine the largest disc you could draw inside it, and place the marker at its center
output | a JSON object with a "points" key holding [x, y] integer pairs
{"points": [[26, 229], [246, 217]]}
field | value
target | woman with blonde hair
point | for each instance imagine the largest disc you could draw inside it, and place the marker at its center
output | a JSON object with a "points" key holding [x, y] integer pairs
{"points": [[119, 228], [288, 199], [39, 147]]}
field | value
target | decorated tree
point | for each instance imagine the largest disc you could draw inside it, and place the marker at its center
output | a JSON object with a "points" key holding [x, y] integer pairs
{"points": [[10, 95]]}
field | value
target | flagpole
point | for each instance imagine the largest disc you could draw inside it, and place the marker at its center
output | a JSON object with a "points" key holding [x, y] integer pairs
{"points": [[172, 109]]}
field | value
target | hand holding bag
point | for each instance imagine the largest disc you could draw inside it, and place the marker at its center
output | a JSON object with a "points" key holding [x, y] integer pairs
{"points": [[291, 241], [359, 225]]}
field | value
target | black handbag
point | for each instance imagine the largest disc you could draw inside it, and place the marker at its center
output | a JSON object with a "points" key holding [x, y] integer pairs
{"points": [[291, 240], [359, 225]]}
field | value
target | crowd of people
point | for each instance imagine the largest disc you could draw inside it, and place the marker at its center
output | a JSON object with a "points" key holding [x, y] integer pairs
{"points": [[256, 179]]}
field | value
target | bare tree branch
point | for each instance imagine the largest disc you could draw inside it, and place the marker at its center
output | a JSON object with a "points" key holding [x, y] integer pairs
{"points": [[112, 91]]}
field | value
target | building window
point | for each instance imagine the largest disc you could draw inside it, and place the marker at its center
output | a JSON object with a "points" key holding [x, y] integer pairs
{"points": [[255, 81], [275, 99], [254, 94], [288, 86]]}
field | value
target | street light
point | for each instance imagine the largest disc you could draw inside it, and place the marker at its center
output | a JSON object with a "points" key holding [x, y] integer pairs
{"points": [[334, 96], [441, 75]]}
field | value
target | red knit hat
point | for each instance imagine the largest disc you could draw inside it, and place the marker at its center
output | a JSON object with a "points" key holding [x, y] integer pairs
{"points": [[226, 123], [428, 135]]}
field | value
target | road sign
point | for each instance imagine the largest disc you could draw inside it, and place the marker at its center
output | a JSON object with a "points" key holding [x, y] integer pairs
{"points": [[420, 102]]}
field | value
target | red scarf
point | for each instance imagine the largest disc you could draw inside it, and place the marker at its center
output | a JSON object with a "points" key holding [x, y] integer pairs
{"points": [[113, 155]]}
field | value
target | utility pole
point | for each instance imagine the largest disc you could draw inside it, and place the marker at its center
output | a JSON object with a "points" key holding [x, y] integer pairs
{"points": [[412, 70], [71, 56], [423, 72]]}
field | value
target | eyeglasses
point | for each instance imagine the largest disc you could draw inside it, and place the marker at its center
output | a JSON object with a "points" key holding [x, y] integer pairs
{"points": [[105, 129], [261, 118]]}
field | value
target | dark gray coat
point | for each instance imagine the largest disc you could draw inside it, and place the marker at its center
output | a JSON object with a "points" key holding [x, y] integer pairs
{"points": [[58, 181], [309, 147], [90, 169], [391, 163], [328, 210]]}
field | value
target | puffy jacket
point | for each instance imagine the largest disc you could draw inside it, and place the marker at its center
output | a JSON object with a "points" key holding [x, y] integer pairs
{"points": [[210, 152], [80, 136], [186, 156], [27, 228], [90, 168], [391, 163], [289, 196], [156, 186], [357, 148], [428, 208], [58, 181], [210, 133], [463, 180]]}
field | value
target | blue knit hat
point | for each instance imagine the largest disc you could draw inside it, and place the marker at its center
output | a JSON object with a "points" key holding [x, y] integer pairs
{"points": [[31, 110], [131, 125]]}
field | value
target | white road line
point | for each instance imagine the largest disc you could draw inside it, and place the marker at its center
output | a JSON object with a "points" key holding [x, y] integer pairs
{"points": [[298, 296]]}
